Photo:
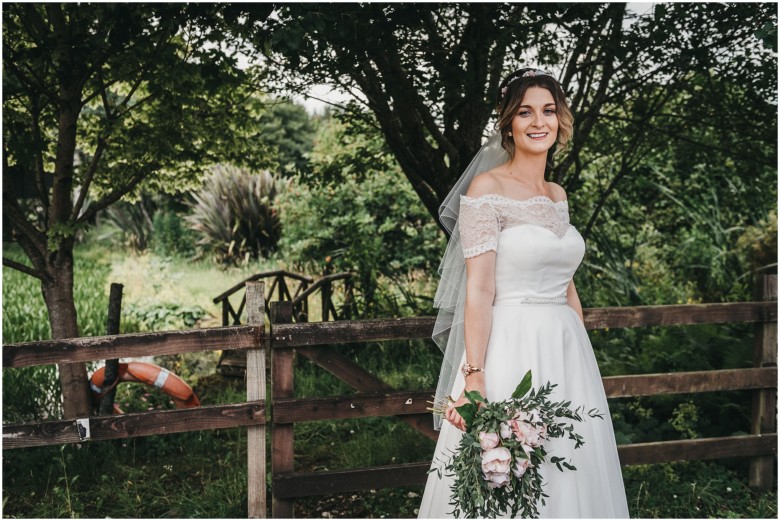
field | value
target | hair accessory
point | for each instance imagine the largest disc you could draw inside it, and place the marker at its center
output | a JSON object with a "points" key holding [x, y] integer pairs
{"points": [[527, 74]]}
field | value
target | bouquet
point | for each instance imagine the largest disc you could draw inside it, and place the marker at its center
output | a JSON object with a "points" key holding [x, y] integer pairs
{"points": [[496, 466]]}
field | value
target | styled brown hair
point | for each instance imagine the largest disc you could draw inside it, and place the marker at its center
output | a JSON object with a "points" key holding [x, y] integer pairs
{"points": [[510, 96]]}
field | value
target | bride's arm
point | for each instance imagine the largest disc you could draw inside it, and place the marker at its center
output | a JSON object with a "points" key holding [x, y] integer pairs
{"points": [[478, 319], [574, 300], [478, 314], [478, 306]]}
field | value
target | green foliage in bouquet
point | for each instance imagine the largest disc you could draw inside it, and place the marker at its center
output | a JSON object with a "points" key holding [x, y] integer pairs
{"points": [[496, 466]]}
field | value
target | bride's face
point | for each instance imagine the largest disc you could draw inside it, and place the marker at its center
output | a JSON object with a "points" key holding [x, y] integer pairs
{"points": [[535, 125]]}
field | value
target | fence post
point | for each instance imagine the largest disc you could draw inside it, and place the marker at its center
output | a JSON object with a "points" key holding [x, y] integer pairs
{"points": [[764, 411], [282, 442], [112, 366], [255, 390], [326, 290], [225, 312]]}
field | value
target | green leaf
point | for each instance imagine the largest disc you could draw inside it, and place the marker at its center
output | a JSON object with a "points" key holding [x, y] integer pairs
{"points": [[474, 397], [524, 386], [468, 411]]}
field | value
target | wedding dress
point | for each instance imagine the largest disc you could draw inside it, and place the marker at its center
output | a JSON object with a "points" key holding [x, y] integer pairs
{"points": [[533, 327]]}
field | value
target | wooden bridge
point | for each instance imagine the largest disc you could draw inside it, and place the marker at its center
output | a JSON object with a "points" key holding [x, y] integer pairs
{"points": [[233, 362]]}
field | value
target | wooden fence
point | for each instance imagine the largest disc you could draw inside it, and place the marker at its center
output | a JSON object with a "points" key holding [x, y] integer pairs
{"points": [[249, 414], [377, 399]]}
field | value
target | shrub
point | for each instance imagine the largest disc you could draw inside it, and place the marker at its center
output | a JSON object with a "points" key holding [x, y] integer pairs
{"points": [[172, 236], [165, 316], [234, 216], [355, 211], [129, 224]]}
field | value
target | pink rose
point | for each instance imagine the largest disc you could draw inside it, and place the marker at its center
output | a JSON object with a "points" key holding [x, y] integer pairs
{"points": [[522, 415], [488, 440], [523, 431], [496, 480], [505, 430], [529, 428], [533, 437], [496, 460], [521, 465]]}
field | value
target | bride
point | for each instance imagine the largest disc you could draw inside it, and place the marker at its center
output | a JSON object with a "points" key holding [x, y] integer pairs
{"points": [[507, 301]]}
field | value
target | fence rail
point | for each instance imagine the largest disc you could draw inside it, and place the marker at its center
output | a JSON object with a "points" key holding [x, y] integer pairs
{"points": [[133, 425], [297, 485], [131, 345]]}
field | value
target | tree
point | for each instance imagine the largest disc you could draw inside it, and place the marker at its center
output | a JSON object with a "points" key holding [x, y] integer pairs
{"points": [[143, 94], [371, 223], [429, 73]]}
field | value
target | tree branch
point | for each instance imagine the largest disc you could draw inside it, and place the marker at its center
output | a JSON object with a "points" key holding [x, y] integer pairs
{"points": [[115, 195], [103, 96], [13, 213], [23, 268], [43, 195], [37, 85], [88, 176]]}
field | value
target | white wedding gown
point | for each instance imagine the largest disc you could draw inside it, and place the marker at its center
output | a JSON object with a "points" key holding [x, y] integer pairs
{"points": [[537, 253]]}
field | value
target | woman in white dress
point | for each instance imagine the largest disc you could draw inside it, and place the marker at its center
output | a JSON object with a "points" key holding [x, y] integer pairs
{"points": [[507, 301]]}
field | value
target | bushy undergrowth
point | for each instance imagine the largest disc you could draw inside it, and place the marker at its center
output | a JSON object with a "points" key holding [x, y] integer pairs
{"points": [[694, 489]]}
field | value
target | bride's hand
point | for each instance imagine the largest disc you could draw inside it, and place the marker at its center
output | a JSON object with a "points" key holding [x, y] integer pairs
{"points": [[453, 416]]}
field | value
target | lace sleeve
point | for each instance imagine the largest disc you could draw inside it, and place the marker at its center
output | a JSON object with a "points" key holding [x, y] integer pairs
{"points": [[479, 226]]}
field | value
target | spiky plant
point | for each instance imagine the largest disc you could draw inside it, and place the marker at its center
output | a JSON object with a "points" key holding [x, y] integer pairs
{"points": [[233, 214], [129, 224]]}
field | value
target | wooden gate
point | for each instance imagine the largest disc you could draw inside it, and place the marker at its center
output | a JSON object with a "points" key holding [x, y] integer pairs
{"points": [[312, 340]]}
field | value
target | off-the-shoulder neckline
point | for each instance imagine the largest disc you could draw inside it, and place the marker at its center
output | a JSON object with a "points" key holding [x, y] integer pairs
{"points": [[510, 199]]}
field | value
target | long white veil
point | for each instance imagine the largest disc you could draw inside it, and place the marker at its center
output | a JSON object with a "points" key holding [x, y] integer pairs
{"points": [[451, 293]]}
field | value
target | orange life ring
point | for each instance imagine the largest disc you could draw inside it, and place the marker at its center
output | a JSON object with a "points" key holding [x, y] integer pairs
{"points": [[149, 374]]}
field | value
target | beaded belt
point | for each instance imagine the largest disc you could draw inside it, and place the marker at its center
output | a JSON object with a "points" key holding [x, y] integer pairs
{"points": [[512, 301]]}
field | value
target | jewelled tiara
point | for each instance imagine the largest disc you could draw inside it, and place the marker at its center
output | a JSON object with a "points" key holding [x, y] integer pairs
{"points": [[526, 74]]}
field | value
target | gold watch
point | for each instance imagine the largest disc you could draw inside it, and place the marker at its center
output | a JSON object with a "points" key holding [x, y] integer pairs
{"points": [[467, 369]]}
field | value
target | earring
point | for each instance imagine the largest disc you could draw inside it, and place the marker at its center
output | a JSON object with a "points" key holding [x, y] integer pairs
{"points": [[509, 133]]}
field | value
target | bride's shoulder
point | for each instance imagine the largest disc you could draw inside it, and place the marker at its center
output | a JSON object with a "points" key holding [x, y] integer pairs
{"points": [[484, 184], [558, 191]]}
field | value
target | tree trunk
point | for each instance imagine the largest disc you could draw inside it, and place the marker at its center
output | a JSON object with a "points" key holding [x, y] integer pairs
{"points": [[58, 295]]}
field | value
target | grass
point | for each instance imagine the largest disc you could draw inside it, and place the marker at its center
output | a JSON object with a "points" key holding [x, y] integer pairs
{"points": [[203, 474]]}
